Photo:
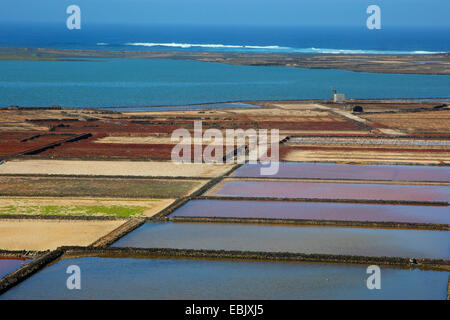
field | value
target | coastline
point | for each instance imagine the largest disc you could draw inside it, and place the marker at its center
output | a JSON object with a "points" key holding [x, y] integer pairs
{"points": [[435, 64]]}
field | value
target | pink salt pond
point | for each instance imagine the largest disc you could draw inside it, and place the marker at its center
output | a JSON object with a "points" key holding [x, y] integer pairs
{"points": [[307, 170], [8, 265], [314, 211], [333, 191]]}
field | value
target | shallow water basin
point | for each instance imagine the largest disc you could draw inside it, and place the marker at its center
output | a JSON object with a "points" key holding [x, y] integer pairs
{"points": [[326, 190], [146, 278], [288, 238], [314, 211], [345, 171], [8, 265]]}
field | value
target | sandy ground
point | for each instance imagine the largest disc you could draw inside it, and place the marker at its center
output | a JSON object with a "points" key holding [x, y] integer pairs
{"points": [[113, 168], [349, 115], [165, 140], [366, 157], [281, 112], [49, 234], [301, 106], [289, 115], [164, 114], [391, 131], [20, 126], [13, 120], [323, 132], [31, 206], [418, 122]]}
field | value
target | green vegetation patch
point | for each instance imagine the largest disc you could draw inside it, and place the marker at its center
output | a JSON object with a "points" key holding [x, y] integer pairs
{"points": [[83, 210]]}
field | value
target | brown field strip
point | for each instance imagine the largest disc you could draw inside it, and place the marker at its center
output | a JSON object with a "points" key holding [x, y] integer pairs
{"points": [[96, 187]]}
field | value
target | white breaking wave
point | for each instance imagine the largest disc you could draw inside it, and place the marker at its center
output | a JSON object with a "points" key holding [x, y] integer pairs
{"points": [[271, 48], [191, 45], [358, 51]]}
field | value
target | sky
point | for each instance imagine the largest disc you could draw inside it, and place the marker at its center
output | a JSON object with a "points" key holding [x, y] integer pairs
{"points": [[414, 13]]}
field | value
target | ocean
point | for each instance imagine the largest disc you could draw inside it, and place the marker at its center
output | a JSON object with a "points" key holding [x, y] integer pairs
{"points": [[228, 38], [120, 83]]}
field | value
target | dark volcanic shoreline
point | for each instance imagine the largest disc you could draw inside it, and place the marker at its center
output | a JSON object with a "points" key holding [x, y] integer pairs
{"points": [[438, 64]]}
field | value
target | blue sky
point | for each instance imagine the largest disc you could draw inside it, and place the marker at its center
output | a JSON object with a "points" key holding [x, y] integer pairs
{"points": [[232, 12]]}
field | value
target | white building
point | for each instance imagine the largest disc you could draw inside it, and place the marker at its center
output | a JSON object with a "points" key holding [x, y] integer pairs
{"points": [[338, 97]]}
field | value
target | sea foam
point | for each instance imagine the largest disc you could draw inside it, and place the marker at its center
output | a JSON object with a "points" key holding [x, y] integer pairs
{"points": [[192, 45], [270, 48]]}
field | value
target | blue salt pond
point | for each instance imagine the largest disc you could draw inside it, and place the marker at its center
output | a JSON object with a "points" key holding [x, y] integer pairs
{"points": [[297, 239], [132, 278]]}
